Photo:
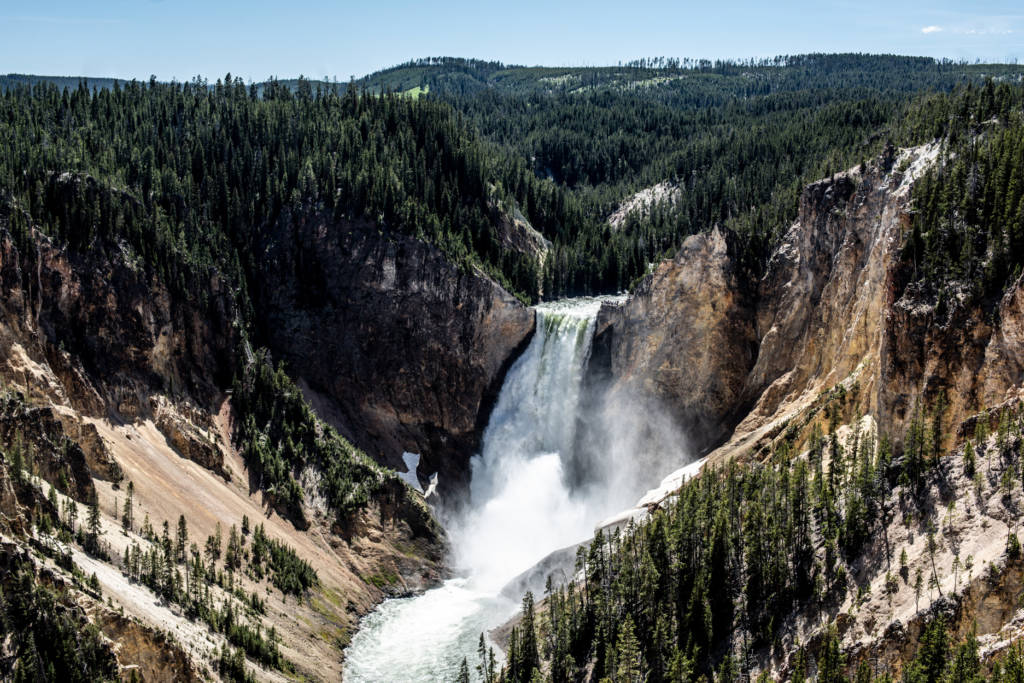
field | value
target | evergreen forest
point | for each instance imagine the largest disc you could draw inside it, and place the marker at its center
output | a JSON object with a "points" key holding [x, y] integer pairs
{"points": [[189, 179], [189, 176]]}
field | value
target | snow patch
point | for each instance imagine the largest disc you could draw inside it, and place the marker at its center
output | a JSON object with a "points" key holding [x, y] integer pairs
{"points": [[412, 462]]}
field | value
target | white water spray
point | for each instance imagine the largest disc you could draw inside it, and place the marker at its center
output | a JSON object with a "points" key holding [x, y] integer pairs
{"points": [[521, 508]]}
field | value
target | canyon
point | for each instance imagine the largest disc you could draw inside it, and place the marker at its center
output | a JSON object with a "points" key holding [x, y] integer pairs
{"points": [[114, 378]]}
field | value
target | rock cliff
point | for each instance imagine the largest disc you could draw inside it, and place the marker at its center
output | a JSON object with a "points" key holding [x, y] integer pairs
{"points": [[837, 336], [402, 350], [686, 336], [110, 378], [734, 360], [110, 333]]}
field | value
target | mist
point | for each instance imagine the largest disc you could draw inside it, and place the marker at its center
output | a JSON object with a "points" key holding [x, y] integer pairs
{"points": [[564, 449], [562, 452]]}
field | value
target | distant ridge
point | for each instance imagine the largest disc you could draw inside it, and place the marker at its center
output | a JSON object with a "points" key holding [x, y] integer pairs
{"points": [[461, 75], [9, 81]]}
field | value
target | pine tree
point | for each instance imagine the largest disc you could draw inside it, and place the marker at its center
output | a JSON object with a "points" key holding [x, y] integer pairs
{"points": [[918, 588], [800, 667], [181, 539], [969, 459], [629, 667], [930, 662], [233, 556], [485, 668], [966, 665], [95, 527], [166, 545], [72, 514], [213, 545], [529, 656], [830, 659], [128, 514]]}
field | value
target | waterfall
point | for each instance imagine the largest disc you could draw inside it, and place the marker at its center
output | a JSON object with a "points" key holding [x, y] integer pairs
{"points": [[521, 508]]}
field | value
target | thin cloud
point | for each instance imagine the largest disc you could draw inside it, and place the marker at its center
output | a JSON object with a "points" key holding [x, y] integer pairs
{"points": [[64, 20], [985, 32], [931, 29]]}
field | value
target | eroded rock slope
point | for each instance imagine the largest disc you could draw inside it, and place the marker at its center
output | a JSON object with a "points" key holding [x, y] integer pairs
{"points": [[733, 359]]}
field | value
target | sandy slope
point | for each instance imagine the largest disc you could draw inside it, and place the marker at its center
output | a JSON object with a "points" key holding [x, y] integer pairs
{"points": [[168, 485]]}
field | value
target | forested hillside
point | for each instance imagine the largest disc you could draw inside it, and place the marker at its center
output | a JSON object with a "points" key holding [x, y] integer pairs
{"points": [[798, 535], [968, 229], [738, 140], [199, 171], [735, 142]]}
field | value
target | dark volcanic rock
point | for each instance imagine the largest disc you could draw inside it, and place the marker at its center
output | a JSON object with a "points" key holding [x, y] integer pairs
{"points": [[405, 350]]}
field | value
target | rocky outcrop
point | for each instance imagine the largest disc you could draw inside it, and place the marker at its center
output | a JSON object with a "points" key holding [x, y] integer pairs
{"points": [[99, 460], [686, 336], [1004, 353], [988, 606], [93, 335], [38, 438], [97, 333], [401, 350], [515, 233], [148, 652], [109, 332], [823, 302], [734, 361], [640, 204], [185, 437], [12, 514]]}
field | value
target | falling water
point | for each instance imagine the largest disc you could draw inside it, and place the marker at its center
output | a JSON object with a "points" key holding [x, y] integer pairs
{"points": [[520, 509]]}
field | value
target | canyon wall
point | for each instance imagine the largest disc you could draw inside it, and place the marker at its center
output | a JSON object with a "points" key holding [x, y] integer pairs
{"points": [[399, 348], [734, 359]]}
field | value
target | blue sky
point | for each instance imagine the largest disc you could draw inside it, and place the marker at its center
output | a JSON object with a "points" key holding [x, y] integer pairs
{"points": [[183, 38]]}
